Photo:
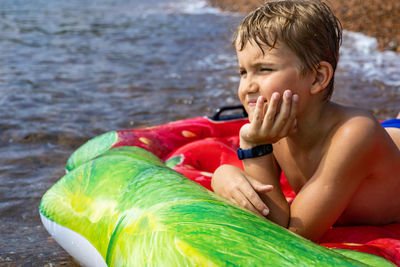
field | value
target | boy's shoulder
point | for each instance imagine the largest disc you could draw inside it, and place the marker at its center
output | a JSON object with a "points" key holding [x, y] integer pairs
{"points": [[355, 119], [355, 128], [351, 144], [346, 117]]}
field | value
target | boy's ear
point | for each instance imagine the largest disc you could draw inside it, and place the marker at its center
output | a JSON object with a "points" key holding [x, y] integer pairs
{"points": [[323, 76]]}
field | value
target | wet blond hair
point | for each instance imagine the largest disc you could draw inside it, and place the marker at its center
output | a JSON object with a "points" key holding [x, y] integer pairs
{"points": [[308, 27]]}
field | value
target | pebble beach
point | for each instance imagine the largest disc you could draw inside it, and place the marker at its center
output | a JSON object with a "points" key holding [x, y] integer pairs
{"points": [[375, 18]]}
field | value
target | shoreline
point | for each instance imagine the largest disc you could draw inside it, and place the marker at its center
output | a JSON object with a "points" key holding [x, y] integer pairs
{"points": [[375, 18]]}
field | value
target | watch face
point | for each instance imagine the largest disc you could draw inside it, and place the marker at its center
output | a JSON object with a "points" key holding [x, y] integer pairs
{"points": [[258, 151], [254, 152], [261, 150]]}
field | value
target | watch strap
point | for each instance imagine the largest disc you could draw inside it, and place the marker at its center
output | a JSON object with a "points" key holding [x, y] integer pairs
{"points": [[254, 152]]}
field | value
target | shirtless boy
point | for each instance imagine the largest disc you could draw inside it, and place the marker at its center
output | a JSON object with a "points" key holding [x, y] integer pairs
{"points": [[342, 164]]}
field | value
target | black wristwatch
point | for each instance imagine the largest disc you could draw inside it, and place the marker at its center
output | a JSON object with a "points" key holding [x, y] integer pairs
{"points": [[254, 152]]}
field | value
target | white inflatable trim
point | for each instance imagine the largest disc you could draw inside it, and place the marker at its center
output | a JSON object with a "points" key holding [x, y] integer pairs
{"points": [[75, 244]]}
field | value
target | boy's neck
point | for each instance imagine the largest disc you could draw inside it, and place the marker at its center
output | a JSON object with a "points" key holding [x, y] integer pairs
{"points": [[313, 125]]}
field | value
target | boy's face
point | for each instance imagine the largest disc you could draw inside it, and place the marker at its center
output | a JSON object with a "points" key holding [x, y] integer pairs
{"points": [[276, 70]]}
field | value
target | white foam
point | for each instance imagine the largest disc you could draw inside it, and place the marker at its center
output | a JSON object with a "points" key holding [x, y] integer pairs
{"points": [[193, 7], [360, 57]]}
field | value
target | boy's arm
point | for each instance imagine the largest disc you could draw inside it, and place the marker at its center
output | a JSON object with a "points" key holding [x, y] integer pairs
{"points": [[257, 190], [266, 170], [269, 126], [340, 173], [237, 186], [266, 126]]}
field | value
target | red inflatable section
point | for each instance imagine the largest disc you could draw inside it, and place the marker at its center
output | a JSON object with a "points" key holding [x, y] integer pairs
{"points": [[196, 147]]}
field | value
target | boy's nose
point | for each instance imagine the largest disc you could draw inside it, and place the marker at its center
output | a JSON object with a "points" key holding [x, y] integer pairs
{"points": [[252, 87]]}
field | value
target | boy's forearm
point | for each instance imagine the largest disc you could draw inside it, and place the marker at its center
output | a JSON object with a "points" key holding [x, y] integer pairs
{"points": [[265, 170], [279, 210]]}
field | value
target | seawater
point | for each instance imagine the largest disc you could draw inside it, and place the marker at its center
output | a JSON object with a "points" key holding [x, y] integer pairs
{"points": [[70, 70]]}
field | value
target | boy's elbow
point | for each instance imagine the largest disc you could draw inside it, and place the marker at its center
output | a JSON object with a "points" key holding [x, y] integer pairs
{"points": [[282, 217], [302, 231]]}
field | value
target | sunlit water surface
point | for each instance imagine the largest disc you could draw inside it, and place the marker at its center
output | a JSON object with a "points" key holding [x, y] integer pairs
{"points": [[70, 70]]}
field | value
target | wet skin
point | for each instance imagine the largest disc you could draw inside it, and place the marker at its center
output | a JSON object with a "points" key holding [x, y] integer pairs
{"points": [[323, 149]]}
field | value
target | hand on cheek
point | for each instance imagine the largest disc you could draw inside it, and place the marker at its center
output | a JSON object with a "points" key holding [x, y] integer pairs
{"points": [[285, 120], [271, 123]]}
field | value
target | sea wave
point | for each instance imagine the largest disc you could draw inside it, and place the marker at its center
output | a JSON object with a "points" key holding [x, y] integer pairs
{"points": [[359, 53], [193, 7], [360, 57]]}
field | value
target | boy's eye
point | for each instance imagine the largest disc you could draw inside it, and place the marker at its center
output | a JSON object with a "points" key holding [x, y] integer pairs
{"points": [[242, 72], [265, 69]]}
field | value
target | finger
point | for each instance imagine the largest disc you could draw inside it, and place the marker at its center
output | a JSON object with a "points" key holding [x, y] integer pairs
{"points": [[283, 114], [258, 112], [263, 188], [270, 115], [240, 199], [254, 199], [294, 128], [291, 123], [233, 198], [259, 186]]}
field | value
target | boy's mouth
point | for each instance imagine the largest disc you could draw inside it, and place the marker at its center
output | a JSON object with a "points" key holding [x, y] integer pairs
{"points": [[253, 102]]}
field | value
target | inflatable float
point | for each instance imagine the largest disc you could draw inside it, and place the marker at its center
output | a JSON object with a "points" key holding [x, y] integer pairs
{"points": [[142, 197]]}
